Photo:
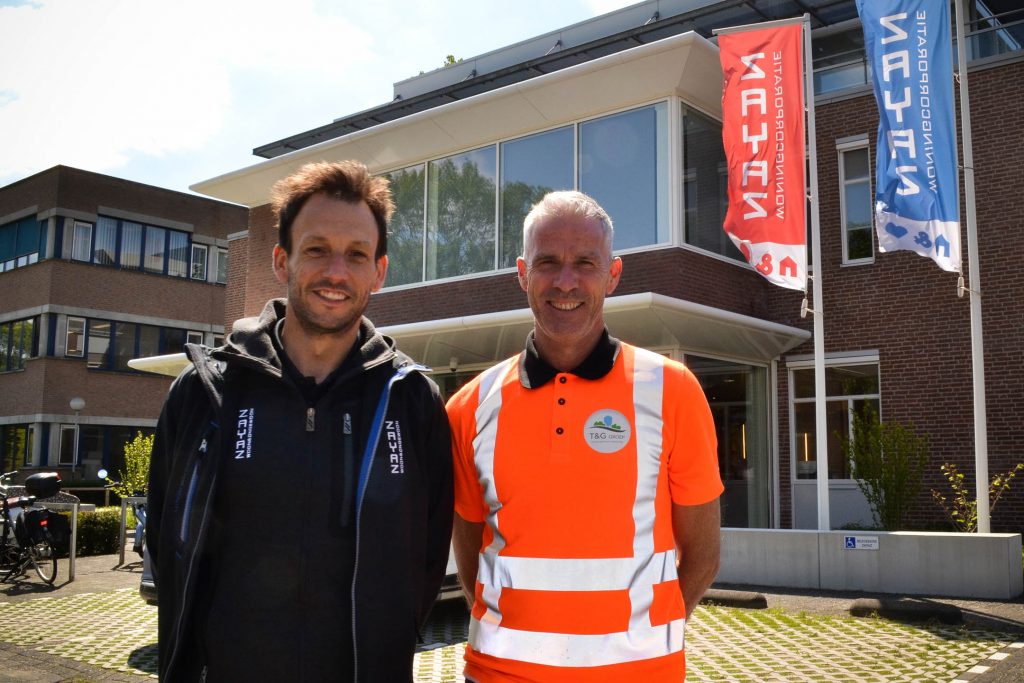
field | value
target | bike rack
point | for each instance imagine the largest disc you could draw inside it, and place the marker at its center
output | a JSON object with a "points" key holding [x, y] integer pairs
{"points": [[75, 508], [125, 502]]}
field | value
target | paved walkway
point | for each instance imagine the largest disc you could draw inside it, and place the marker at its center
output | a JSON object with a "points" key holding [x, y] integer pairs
{"points": [[98, 629]]}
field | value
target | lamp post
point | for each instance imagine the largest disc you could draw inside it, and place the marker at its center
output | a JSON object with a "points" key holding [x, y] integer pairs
{"points": [[78, 405]]}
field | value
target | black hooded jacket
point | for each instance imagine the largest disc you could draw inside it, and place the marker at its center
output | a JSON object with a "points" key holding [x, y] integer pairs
{"points": [[401, 498]]}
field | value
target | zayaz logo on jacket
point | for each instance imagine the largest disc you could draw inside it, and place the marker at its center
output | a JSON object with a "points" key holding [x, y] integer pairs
{"points": [[393, 441], [243, 433]]}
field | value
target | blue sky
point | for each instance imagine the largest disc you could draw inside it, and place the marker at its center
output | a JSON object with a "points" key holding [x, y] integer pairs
{"points": [[171, 93]]}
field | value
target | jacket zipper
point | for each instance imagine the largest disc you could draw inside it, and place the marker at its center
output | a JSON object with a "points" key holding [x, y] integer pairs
{"points": [[371, 449], [348, 464], [193, 484]]}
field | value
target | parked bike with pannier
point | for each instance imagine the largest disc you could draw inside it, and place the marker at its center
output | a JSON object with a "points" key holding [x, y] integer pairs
{"points": [[25, 534]]}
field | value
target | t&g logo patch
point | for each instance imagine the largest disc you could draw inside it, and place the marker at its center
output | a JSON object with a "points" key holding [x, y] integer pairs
{"points": [[607, 431]]}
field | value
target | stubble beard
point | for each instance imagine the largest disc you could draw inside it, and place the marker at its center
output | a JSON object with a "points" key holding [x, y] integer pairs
{"points": [[314, 325]]}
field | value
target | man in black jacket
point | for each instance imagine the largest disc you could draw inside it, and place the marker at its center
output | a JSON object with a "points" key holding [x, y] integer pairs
{"points": [[300, 493]]}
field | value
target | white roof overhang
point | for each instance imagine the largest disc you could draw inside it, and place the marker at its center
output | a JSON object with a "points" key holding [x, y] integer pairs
{"points": [[685, 65], [647, 319]]}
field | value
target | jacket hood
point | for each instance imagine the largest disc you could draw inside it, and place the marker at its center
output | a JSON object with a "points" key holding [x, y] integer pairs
{"points": [[251, 344]]}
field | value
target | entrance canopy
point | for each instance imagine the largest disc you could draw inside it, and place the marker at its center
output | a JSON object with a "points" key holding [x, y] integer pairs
{"points": [[646, 319]]}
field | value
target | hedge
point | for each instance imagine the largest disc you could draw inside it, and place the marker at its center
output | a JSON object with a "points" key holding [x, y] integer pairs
{"points": [[98, 531]]}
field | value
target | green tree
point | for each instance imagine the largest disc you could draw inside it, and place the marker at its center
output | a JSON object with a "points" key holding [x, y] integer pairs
{"points": [[888, 461], [134, 478]]}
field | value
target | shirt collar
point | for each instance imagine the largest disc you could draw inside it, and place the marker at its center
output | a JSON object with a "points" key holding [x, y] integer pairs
{"points": [[535, 372]]}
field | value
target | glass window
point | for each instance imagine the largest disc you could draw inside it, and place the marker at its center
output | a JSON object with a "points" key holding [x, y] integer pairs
{"points": [[840, 61], [23, 338], [81, 249], [460, 214], [131, 245], [149, 341], [99, 344], [623, 164], [847, 389], [155, 246], [530, 168], [994, 27], [222, 266], [199, 256], [855, 205], [192, 337], [738, 396], [8, 243], [17, 343], [5, 346], [405, 234], [174, 340], [90, 444], [104, 250], [177, 253], [67, 445], [705, 186], [124, 344], [17, 446], [75, 337]]}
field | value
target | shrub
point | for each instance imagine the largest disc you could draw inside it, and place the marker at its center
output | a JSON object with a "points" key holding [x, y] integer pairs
{"points": [[98, 532], [962, 508], [888, 462], [135, 475]]}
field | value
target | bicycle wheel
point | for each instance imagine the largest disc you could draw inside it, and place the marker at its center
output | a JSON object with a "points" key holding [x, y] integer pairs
{"points": [[44, 561]]}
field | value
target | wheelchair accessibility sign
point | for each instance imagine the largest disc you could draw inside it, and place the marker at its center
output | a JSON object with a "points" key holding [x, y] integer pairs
{"points": [[860, 542]]}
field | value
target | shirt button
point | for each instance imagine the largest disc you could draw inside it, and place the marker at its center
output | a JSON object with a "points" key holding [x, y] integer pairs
{"points": [[561, 401], [559, 430], [561, 380]]}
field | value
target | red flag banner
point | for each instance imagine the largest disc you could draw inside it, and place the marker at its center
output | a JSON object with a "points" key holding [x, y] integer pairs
{"points": [[763, 132]]}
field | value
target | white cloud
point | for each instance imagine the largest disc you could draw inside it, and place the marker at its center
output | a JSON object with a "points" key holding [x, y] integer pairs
{"points": [[171, 93], [95, 82]]}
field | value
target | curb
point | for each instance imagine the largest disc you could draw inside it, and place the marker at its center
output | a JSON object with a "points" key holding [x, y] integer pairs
{"points": [[907, 610], [728, 598]]}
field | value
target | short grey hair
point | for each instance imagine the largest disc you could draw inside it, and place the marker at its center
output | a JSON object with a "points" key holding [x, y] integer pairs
{"points": [[566, 204]]}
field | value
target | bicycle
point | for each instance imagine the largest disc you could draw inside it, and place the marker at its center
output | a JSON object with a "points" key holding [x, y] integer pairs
{"points": [[25, 539]]}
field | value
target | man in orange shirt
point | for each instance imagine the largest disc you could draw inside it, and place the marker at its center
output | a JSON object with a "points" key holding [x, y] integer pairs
{"points": [[586, 478]]}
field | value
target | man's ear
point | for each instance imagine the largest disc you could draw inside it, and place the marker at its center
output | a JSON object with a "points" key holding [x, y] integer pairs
{"points": [[614, 274], [280, 264], [382, 272], [521, 272]]}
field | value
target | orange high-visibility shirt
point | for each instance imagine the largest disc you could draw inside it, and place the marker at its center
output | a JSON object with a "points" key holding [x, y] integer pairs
{"points": [[575, 480]]}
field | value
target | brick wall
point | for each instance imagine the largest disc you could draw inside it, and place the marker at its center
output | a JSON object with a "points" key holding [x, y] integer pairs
{"points": [[238, 273], [906, 308]]}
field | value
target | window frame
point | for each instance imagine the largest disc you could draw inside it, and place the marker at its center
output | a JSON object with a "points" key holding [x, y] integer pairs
{"points": [[73, 428], [193, 261], [842, 148], [221, 253], [76, 245], [866, 359], [82, 339], [663, 240]]}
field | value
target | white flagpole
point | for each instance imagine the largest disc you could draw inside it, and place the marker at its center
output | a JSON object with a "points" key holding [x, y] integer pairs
{"points": [[974, 288], [821, 426]]}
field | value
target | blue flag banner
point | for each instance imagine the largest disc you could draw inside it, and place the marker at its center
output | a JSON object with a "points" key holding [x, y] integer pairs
{"points": [[909, 47]]}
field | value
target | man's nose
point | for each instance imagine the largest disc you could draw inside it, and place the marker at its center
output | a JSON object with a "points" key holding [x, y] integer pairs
{"points": [[566, 278], [337, 267]]}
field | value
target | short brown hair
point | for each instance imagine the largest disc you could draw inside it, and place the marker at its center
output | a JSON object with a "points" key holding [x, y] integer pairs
{"points": [[348, 181]]}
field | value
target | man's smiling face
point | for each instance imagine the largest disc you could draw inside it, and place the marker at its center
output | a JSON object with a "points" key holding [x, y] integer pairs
{"points": [[331, 269], [566, 270]]}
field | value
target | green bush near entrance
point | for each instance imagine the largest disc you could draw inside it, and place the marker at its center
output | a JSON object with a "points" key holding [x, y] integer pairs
{"points": [[98, 532]]}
